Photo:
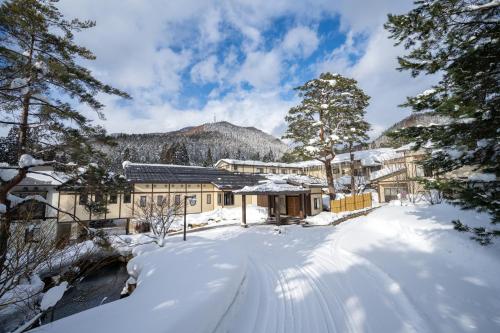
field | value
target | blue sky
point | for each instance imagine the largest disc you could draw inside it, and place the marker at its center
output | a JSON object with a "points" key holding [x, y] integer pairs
{"points": [[186, 62]]}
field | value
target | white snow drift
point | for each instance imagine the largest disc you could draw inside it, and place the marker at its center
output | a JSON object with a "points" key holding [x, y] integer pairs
{"points": [[398, 269]]}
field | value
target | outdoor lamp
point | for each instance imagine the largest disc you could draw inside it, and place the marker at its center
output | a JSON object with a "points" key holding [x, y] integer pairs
{"points": [[192, 202]]}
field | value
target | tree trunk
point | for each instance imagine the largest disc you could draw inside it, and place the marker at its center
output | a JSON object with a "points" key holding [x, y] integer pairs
{"points": [[22, 148], [329, 178], [353, 182]]}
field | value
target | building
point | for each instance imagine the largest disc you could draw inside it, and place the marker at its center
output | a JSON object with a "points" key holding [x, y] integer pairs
{"points": [[365, 162], [39, 183], [153, 183], [398, 176]]}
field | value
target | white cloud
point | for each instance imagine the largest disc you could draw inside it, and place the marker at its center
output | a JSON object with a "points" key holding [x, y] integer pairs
{"points": [[205, 71], [146, 47], [261, 110], [261, 69], [300, 41]]}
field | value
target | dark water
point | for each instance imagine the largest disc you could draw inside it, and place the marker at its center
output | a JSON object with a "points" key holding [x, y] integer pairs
{"points": [[100, 287]]}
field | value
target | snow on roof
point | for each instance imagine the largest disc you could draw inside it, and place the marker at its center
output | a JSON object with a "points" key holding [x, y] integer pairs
{"points": [[53, 178], [42, 177], [369, 157], [296, 179], [271, 187], [482, 177], [266, 164], [386, 171]]}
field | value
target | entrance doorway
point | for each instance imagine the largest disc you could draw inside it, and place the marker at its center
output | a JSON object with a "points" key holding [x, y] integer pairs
{"points": [[293, 206]]}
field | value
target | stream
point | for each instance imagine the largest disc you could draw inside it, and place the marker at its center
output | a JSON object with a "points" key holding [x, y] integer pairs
{"points": [[100, 287]]}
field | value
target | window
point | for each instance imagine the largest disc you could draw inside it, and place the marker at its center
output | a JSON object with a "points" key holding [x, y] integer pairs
{"points": [[84, 198], [316, 203], [235, 167], [127, 197], [113, 198], [159, 200], [273, 170], [228, 198], [209, 199], [98, 197], [142, 201], [30, 232], [260, 170], [177, 199], [219, 198], [285, 171], [427, 171], [294, 171]]}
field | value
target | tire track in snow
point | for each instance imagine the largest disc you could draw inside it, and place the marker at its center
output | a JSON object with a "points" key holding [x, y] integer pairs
{"points": [[327, 293]]}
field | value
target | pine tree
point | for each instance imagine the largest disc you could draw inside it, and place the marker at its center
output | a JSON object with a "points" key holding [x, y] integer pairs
{"points": [[167, 153], [289, 157], [330, 105], [40, 72], [9, 147], [239, 155], [269, 157], [355, 133], [225, 154], [459, 39], [181, 156], [209, 161]]}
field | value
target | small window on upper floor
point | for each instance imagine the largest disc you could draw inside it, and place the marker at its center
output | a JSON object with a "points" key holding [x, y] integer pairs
{"points": [[84, 198], [113, 198], [127, 197]]}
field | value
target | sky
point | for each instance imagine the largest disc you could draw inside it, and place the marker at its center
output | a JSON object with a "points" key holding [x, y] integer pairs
{"points": [[189, 62]]}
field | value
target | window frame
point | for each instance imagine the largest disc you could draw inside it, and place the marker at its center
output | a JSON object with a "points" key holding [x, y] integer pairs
{"points": [[143, 201]]}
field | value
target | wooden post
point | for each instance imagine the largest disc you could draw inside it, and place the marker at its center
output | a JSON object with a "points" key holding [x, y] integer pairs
{"points": [[244, 211], [269, 205], [302, 206], [277, 209]]}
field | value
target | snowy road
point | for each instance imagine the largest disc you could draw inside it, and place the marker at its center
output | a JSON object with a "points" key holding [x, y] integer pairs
{"points": [[399, 269]]}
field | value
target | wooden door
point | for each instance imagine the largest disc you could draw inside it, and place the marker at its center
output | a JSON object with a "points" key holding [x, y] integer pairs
{"points": [[293, 206]]}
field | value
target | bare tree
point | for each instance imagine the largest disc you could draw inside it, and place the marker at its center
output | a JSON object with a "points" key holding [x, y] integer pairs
{"points": [[33, 254], [156, 217]]}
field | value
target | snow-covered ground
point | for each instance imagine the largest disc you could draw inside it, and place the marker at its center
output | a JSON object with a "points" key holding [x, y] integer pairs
{"points": [[222, 216], [398, 269]]}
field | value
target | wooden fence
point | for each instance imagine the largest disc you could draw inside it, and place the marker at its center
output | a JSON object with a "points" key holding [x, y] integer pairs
{"points": [[348, 204]]}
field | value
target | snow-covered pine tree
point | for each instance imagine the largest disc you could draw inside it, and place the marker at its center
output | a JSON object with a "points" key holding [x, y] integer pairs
{"points": [[355, 134], [269, 157], [209, 160], [40, 71], [181, 156], [459, 39], [318, 124]]}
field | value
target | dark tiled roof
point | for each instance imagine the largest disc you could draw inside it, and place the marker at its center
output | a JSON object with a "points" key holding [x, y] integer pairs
{"points": [[175, 174]]}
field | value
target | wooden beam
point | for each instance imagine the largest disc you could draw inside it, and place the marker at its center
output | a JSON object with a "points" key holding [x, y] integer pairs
{"points": [[277, 209], [302, 206], [244, 211]]}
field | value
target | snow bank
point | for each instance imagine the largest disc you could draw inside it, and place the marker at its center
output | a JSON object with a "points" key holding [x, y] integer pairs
{"points": [[398, 269], [182, 287], [53, 295], [222, 216]]}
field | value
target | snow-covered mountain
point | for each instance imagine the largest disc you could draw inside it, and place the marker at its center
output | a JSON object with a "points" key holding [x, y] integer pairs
{"points": [[224, 139], [416, 119]]}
